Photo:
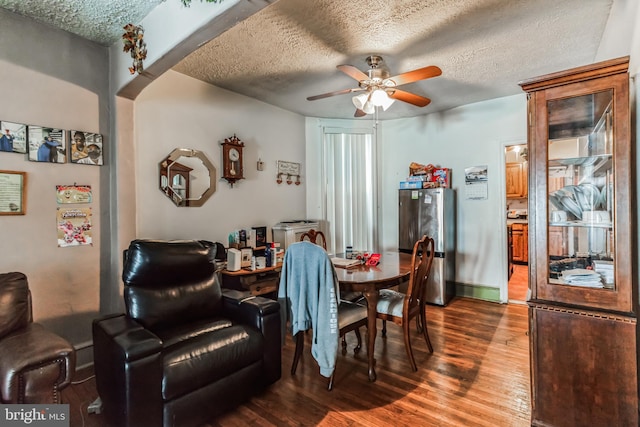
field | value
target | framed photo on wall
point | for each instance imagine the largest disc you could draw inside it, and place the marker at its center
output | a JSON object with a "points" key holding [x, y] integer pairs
{"points": [[13, 192], [47, 144], [86, 148], [13, 137]]}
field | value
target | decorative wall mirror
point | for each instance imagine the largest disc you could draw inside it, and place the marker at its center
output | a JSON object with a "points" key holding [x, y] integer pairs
{"points": [[187, 177]]}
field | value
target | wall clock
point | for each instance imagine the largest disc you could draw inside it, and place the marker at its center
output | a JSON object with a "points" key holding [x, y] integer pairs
{"points": [[232, 164]]}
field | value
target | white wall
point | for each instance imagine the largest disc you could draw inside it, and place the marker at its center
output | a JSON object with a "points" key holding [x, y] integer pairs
{"points": [[176, 111], [52, 78], [620, 34], [471, 135]]}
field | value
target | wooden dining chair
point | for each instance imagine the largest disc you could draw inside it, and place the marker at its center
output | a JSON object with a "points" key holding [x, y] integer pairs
{"points": [[350, 318], [401, 308], [308, 292], [319, 238], [315, 236]]}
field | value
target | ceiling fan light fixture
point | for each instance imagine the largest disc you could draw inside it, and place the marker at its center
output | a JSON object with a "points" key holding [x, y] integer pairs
{"points": [[360, 100], [369, 107], [380, 98]]}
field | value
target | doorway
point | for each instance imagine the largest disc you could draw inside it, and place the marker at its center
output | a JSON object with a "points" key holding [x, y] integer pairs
{"points": [[517, 205]]}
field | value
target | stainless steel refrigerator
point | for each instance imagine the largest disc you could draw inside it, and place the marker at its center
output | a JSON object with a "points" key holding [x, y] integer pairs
{"points": [[431, 211]]}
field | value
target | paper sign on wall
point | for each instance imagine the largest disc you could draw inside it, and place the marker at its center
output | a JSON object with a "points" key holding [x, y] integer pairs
{"points": [[74, 227], [476, 183], [73, 194]]}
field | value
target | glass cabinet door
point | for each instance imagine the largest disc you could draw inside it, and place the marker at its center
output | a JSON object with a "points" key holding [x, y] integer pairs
{"points": [[580, 188], [581, 170]]}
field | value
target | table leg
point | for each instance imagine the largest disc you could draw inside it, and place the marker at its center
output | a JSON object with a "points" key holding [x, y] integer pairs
{"points": [[372, 303]]}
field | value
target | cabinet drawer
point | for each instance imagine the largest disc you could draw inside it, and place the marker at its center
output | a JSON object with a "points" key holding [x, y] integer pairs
{"points": [[257, 283], [263, 287]]}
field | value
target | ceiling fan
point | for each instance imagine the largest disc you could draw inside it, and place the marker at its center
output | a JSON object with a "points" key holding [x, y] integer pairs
{"points": [[379, 89]]}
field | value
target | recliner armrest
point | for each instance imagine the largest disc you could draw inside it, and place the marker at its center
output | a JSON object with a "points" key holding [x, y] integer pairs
{"points": [[128, 365], [262, 314], [247, 309], [133, 340], [35, 364]]}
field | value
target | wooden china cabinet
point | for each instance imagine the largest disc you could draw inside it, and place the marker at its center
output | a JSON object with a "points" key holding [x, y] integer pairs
{"points": [[583, 306]]}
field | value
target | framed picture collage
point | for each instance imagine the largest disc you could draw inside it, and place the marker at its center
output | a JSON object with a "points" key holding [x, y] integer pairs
{"points": [[45, 144]]}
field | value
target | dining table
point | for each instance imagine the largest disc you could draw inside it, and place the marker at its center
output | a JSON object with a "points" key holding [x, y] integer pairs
{"points": [[392, 269]]}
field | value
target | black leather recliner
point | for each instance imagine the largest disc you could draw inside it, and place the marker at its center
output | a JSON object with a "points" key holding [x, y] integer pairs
{"points": [[185, 351], [35, 363]]}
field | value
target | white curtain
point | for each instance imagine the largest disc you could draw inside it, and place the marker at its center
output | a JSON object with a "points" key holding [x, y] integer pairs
{"points": [[349, 167]]}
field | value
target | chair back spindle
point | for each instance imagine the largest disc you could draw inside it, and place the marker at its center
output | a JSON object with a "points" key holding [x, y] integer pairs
{"points": [[315, 236], [421, 262]]}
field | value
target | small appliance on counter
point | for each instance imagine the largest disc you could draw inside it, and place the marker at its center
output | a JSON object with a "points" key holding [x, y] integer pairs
{"points": [[245, 256], [517, 214], [234, 259], [288, 232]]}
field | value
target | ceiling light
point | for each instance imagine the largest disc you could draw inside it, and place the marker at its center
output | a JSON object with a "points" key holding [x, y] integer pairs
{"points": [[380, 98], [377, 96], [363, 102], [369, 107], [360, 100], [368, 101]]}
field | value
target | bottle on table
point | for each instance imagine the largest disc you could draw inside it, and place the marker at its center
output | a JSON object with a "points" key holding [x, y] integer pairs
{"points": [[274, 255], [267, 256]]}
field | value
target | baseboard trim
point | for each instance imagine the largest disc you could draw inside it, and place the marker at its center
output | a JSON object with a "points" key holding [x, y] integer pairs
{"points": [[486, 293]]}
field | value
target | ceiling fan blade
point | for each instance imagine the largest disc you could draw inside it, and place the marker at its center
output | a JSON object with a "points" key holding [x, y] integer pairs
{"points": [[359, 113], [411, 98], [415, 75], [353, 72], [337, 92]]}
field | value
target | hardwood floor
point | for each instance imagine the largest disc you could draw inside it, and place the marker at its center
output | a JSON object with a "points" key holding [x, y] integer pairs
{"points": [[478, 375], [519, 283]]}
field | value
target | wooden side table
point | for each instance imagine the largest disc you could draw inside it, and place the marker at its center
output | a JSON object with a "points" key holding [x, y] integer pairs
{"points": [[257, 282]]}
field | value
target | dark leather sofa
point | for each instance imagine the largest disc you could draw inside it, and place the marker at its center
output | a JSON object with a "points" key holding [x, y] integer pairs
{"points": [[35, 363], [184, 351]]}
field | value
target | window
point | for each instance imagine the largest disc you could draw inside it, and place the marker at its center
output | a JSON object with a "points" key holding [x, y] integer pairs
{"points": [[349, 165]]}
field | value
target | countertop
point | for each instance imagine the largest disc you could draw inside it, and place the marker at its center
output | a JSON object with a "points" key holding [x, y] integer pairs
{"points": [[517, 221]]}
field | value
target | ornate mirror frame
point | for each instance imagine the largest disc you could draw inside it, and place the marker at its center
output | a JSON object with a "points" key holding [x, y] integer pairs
{"points": [[170, 167]]}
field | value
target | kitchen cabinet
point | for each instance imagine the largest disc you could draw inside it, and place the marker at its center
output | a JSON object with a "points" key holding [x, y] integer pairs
{"points": [[516, 180], [583, 306], [509, 251], [520, 233]]}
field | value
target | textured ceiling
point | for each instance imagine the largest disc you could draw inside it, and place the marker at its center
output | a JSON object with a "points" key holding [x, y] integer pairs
{"points": [[98, 20], [290, 49]]}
